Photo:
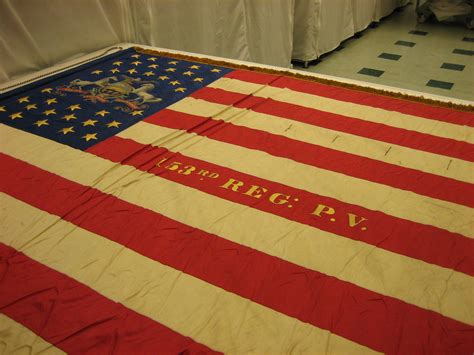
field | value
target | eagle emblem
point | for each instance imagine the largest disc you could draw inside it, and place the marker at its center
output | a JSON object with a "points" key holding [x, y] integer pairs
{"points": [[129, 93]]}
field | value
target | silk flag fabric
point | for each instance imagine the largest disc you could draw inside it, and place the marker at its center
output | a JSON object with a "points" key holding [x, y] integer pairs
{"points": [[154, 204]]}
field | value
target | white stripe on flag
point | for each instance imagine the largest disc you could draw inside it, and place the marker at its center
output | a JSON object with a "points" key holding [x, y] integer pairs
{"points": [[362, 112], [185, 304], [396, 202], [344, 258], [386, 152]]}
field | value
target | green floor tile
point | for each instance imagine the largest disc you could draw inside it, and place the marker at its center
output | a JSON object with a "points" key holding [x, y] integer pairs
{"points": [[452, 66], [405, 43], [419, 33], [390, 56], [369, 58], [439, 84], [371, 72], [463, 51]]}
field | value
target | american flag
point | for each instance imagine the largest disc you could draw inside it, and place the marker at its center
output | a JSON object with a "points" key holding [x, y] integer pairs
{"points": [[161, 204]]}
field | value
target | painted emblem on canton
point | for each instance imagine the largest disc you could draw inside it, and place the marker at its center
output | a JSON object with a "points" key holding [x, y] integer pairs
{"points": [[130, 93]]}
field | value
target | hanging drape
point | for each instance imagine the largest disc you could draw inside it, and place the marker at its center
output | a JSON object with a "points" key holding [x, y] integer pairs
{"points": [[37, 34]]}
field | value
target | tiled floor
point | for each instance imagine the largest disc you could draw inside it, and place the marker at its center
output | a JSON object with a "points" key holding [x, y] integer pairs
{"points": [[432, 57]]}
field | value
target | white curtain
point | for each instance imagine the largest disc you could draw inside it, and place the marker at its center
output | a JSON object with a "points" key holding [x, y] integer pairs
{"points": [[337, 24], [252, 30], [35, 34], [364, 13], [321, 25], [269, 26], [306, 29], [217, 29], [386, 7]]}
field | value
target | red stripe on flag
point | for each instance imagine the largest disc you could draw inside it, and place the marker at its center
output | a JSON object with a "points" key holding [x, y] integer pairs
{"points": [[435, 186], [347, 310], [359, 97], [376, 131], [404, 237], [75, 318]]}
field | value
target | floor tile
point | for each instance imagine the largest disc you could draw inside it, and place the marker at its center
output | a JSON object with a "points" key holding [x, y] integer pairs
{"points": [[439, 84], [463, 51], [453, 66], [371, 72], [405, 43], [431, 59], [419, 33], [390, 56]]}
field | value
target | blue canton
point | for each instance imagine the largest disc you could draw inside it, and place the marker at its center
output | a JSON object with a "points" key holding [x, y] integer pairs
{"points": [[85, 105]]}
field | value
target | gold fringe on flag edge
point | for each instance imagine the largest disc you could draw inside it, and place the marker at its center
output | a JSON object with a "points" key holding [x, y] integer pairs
{"points": [[421, 99]]}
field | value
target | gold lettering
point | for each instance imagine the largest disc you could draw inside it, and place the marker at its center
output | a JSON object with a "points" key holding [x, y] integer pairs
{"points": [[279, 199], [233, 184], [353, 219], [213, 175], [173, 166], [256, 191], [161, 161], [188, 169], [323, 209], [203, 173]]}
